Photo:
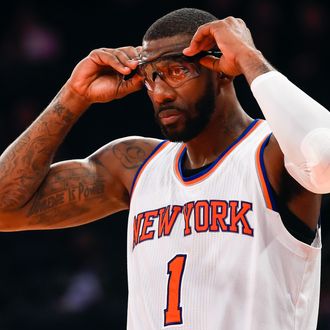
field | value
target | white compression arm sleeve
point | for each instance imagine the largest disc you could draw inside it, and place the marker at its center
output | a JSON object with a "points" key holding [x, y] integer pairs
{"points": [[301, 127]]}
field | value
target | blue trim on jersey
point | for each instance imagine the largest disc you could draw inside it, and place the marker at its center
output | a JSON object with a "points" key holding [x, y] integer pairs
{"points": [[214, 163], [264, 173], [141, 166]]}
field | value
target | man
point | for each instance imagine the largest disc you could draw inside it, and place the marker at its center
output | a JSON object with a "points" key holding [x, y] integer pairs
{"points": [[223, 225]]}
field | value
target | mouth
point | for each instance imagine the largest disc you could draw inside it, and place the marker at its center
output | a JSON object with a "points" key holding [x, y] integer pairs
{"points": [[169, 116]]}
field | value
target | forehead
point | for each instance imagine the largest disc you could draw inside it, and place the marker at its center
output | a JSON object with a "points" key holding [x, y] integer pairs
{"points": [[164, 46]]}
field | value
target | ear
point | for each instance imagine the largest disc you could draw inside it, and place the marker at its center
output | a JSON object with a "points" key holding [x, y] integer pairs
{"points": [[223, 76], [223, 80]]}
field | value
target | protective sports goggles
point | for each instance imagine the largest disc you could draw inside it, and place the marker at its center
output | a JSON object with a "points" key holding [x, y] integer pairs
{"points": [[174, 69]]}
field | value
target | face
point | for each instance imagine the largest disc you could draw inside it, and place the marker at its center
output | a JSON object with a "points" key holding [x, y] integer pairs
{"points": [[181, 90], [183, 123]]}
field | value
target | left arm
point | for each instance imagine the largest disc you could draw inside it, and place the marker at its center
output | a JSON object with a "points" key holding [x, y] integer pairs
{"points": [[300, 124]]}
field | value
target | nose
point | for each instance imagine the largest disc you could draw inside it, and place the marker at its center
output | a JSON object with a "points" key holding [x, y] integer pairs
{"points": [[162, 92]]}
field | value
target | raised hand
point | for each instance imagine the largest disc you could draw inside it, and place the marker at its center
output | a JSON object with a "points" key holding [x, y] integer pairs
{"points": [[100, 76], [234, 39]]}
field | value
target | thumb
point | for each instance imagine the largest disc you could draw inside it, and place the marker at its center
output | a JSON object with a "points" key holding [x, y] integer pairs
{"points": [[130, 86], [137, 83], [211, 63], [219, 65]]}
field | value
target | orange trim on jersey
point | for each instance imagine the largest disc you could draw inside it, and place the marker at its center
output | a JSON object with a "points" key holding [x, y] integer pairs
{"points": [[263, 176], [155, 152], [218, 162]]}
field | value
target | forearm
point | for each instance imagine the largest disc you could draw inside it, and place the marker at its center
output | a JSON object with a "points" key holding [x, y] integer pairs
{"points": [[253, 64], [301, 127], [25, 163]]}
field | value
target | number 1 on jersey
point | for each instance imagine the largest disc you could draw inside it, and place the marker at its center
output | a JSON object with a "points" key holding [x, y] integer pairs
{"points": [[173, 311]]}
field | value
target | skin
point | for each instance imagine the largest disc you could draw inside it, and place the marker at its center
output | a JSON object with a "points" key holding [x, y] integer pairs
{"points": [[37, 195]]}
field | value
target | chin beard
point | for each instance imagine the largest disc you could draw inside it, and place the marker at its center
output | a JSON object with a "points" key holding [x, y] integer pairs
{"points": [[205, 107]]}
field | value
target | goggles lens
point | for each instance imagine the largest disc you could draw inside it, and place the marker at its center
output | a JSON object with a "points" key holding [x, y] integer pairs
{"points": [[174, 69]]}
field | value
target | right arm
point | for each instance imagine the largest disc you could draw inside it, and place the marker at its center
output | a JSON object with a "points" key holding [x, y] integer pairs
{"points": [[76, 192], [25, 164]]}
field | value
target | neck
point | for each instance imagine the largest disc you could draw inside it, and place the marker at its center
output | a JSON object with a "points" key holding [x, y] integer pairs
{"points": [[224, 128]]}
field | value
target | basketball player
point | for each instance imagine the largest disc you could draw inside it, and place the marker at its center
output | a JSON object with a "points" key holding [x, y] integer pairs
{"points": [[223, 224]]}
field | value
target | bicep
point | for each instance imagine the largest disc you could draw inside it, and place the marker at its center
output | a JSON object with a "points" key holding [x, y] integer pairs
{"points": [[300, 201], [73, 193]]}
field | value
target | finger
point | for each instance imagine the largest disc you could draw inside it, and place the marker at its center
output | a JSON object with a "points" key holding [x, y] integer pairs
{"points": [[131, 52], [139, 50], [207, 45], [125, 55], [107, 58], [135, 52], [203, 39]]}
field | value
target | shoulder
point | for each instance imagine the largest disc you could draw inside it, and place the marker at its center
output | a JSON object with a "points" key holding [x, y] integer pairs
{"points": [[133, 151], [124, 156]]}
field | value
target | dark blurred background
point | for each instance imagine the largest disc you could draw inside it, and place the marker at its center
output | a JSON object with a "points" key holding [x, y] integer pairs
{"points": [[76, 278]]}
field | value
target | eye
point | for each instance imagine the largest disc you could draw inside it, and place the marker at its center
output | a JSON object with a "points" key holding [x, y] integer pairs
{"points": [[177, 72]]}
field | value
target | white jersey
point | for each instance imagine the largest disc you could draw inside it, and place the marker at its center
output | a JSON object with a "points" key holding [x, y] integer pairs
{"points": [[210, 252]]}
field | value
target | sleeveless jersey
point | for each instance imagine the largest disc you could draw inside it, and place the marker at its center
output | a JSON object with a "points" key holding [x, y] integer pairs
{"points": [[210, 252]]}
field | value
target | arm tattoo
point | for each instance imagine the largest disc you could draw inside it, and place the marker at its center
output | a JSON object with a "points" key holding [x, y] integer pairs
{"points": [[62, 112], [62, 195], [131, 153], [26, 161]]}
